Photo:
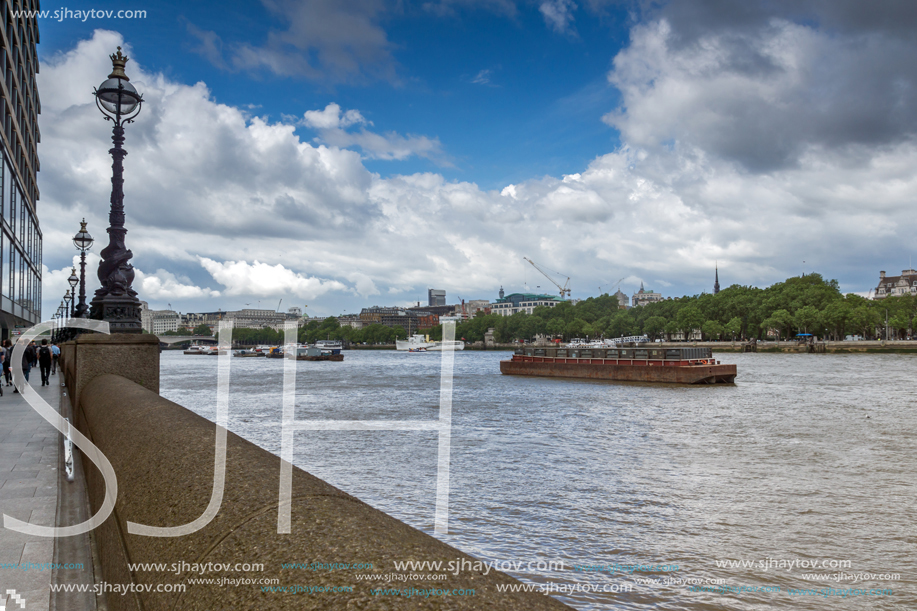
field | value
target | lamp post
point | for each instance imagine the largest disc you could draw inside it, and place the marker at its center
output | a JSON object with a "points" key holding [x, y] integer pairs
{"points": [[67, 299], [60, 316], [83, 242], [115, 301], [73, 281]]}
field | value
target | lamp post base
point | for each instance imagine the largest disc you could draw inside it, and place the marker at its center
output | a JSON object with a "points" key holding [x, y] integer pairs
{"points": [[122, 313]]}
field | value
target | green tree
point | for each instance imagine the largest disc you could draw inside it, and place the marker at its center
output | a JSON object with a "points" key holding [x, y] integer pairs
{"points": [[864, 320], [734, 327], [202, 329], [654, 326], [556, 327], [899, 323], [806, 318], [671, 328], [622, 324], [688, 319], [712, 329], [576, 328]]}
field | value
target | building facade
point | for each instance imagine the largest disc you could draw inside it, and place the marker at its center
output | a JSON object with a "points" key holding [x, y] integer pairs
{"points": [[522, 302], [436, 297], [891, 286], [643, 297], [20, 235], [158, 321], [392, 317], [623, 300], [244, 318]]}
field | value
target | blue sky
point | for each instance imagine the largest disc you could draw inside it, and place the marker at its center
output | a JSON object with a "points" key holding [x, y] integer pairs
{"points": [[352, 154], [508, 97]]}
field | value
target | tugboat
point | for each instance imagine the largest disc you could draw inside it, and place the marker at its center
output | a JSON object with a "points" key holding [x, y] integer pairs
{"points": [[637, 363]]}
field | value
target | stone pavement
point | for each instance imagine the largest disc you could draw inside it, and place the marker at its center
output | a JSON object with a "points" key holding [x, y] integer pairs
{"points": [[28, 491]]}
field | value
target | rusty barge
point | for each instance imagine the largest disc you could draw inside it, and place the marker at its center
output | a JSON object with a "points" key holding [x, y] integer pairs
{"points": [[633, 364]]}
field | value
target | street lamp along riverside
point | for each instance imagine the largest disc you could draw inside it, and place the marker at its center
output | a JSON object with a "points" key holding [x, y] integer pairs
{"points": [[115, 301], [73, 281], [83, 242]]}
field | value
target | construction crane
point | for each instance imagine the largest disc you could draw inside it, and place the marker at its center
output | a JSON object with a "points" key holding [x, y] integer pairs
{"points": [[278, 304], [613, 286], [564, 290]]}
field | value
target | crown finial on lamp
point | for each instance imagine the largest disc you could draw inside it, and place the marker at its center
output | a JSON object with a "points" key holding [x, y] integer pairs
{"points": [[117, 64]]}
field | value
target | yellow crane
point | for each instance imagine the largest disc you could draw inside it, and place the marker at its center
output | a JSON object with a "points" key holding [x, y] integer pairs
{"points": [[564, 290]]}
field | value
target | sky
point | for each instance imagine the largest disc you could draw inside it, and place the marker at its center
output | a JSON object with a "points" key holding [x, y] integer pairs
{"points": [[339, 155]]}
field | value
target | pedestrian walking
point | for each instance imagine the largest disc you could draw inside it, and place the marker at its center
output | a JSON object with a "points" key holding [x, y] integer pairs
{"points": [[28, 359], [7, 350], [55, 357], [45, 358]]}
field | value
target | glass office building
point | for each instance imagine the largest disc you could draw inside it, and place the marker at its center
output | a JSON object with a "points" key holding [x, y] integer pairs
{"points": [[20, 235]]}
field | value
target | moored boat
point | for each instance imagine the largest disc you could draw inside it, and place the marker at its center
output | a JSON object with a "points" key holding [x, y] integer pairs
{"points": [[636, 364], [197, 349], [415, 342], [317, 353]]}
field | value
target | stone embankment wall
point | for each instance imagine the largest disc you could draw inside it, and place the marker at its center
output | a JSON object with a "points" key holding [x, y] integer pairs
{"points": [[163, 455], [791, 346]]}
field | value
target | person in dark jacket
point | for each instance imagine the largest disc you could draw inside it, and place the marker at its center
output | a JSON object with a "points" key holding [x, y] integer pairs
{"points": [[28, 357], [7, 361], [45, 358]]}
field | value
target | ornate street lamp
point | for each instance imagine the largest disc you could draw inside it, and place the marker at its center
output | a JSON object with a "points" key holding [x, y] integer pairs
{"points": [[115, 301], [60, 324], [67, 299], [83, 242], [73, 280]]}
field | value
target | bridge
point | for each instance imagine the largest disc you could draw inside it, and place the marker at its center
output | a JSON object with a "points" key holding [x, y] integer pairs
{"points": [[177, 339]]}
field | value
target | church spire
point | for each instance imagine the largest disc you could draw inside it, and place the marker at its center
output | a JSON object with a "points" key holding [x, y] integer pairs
{"points": [[716, 282]]}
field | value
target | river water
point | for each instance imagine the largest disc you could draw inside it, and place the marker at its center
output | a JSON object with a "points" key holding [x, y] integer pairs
{"points": [[806, 460]]}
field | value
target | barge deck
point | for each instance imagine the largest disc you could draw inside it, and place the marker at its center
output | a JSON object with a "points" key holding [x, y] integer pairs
{"points": [[671, 366]]}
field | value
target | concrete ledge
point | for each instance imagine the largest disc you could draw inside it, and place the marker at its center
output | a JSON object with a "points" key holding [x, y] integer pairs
{"points": [[163, 453], [134, 356]]}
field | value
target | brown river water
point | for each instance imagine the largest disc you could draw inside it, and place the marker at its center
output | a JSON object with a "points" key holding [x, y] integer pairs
{"points": [[794, 488]]}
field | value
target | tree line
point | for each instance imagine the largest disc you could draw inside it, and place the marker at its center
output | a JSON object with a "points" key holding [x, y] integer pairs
{"points": [[328, 328], [806, 304]]}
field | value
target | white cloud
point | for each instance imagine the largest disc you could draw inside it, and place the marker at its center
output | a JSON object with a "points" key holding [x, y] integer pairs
{"points": [[558, 14], [482, 77], [216, 196], [242, 278], [332, 124], [165, 285], [331, 118]]}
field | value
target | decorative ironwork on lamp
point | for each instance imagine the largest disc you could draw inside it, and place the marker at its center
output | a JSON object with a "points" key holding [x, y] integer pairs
{"points": [[116, 301]]}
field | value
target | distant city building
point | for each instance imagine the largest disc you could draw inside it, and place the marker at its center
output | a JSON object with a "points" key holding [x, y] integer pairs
{"points": [[408, 320], [350, 320], [244, 319], [522, 302], [158, 321], [890, 286], [474, 306], [716, 282], [442, 310], [643, 297], [436, 297], [623, 300]]}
